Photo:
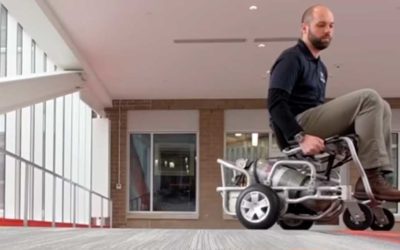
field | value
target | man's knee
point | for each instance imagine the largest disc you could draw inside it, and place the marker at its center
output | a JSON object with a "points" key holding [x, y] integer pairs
{"points": [[386, 107], [370, 95]]}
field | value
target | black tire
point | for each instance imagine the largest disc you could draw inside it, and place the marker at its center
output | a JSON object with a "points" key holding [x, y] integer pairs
{"points": [[295, 224], [391, 221], [257, 207], [351, 224]]}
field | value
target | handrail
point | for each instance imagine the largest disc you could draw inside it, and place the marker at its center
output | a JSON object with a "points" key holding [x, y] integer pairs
{"points": [[72, 183], [49, 172]]}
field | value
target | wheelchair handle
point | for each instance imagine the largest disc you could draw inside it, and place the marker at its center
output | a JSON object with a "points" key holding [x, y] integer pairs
{"points": [[291, 151]]}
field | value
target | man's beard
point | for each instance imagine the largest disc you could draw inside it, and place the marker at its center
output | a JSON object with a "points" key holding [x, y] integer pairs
{"points": [[317, 42]]}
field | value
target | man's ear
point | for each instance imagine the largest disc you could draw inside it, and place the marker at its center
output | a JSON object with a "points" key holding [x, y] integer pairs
{"points": [[304, 28]]}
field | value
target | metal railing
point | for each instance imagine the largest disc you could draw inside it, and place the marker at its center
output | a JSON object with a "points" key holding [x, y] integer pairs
{"points": [[75, 187]]}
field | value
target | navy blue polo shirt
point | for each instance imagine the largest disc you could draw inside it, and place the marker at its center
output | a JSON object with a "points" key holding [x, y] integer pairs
{"points": [[302, 76]]}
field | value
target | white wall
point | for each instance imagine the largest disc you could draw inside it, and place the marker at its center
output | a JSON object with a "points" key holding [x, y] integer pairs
{"points": [[101, 164], [101, 156], [163, 121], [396, 120], [247, 120], [258, 120]]}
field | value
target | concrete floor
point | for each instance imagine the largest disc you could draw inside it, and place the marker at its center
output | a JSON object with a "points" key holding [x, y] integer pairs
{"points": [[275, 238]]}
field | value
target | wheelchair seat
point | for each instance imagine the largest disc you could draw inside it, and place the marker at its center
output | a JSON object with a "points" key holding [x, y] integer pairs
{"points": [[285, 144]]}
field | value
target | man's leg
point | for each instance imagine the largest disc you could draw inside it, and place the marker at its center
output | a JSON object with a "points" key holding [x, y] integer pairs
{"points": [[366, 113], [361, 111]]}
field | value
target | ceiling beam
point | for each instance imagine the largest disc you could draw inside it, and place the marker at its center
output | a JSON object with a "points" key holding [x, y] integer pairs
{"points": [[18, 92]]}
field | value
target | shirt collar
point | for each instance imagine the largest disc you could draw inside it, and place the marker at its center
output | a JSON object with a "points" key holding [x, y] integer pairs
{"points": [[306, 51]]}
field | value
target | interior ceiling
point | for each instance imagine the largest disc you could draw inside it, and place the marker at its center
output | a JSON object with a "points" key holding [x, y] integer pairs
{"points": [[176, 49]]}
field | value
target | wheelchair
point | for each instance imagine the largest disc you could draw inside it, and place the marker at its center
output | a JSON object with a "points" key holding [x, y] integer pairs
{"points": [[296, 190]]}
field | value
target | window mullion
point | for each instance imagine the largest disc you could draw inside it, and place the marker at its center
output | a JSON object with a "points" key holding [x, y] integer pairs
{"points": [[151, 170]]}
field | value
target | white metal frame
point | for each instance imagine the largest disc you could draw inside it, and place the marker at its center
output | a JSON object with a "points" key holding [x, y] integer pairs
{"points": [[28, 185]]}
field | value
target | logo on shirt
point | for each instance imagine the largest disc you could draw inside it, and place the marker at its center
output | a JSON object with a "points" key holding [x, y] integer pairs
{"points": [[322, 77]]}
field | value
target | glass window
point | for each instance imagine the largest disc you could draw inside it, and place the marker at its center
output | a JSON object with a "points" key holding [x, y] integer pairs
{"points": [[174, 179], [33, 56], [26, 133], [75, 137], [49, 135], [37, 194], [393, 177], [68, 136], [38, 134], [250, 146], [59, 135], [3, 41], [19, 49], [44, 62], [167, 182], [395, 158], [140, 165], [2, 163]]}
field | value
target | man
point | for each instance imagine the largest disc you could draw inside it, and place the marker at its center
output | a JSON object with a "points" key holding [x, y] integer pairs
{"points": [[296, 102]]}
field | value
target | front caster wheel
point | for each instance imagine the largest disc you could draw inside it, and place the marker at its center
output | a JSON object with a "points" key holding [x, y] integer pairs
{"points": [[354, 224], [257, 207], [377, 226]]}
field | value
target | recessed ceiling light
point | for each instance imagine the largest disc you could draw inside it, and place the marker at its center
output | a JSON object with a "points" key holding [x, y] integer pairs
{"points": [[238, 134], [261, 45], [253, 7]]}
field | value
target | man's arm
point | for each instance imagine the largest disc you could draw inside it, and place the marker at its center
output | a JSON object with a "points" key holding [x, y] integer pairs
{"points": [[283, 118], [281, 115], [284, 75]]}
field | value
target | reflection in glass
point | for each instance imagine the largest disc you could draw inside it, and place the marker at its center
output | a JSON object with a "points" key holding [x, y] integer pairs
{"points": [[393, 177], [174, 182], [139, 193], [2, 163], [245, 145], [3, 41], [19, 49]]}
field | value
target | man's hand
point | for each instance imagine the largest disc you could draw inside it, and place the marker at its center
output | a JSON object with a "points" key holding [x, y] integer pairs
{"points": [[312, 145]]}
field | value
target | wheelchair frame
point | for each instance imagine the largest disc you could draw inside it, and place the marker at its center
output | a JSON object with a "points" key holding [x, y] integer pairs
{"points": [[340, 195]]}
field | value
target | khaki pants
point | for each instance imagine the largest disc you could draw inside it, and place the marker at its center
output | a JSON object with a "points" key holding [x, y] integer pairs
{"points": [[363, 112]]}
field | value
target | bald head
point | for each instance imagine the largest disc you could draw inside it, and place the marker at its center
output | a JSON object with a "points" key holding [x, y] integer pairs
{"points": [[317, 9], [317, 27]]}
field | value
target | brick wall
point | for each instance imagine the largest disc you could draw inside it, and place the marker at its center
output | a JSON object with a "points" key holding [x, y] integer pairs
{"points": [[118, 119]]}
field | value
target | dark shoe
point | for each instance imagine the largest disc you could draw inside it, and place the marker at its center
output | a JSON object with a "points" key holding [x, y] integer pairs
{"points": [[381, 189]]}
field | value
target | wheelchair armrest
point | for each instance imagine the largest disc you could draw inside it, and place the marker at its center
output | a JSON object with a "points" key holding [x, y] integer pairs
{"points": [[292, 150], [331, 145]]}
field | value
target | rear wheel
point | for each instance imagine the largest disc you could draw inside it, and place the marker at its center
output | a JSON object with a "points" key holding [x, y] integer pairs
{"points": [[257, 207]]}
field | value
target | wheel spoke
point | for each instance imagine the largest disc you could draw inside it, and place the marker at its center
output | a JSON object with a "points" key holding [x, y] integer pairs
{"points": [[263, 203], [254, 197], [259, 212], [246, 204], [250, 214]]}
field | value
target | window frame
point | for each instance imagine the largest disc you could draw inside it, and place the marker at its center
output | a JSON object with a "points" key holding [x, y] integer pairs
{"points": [[161, 214], [397, 131]]}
